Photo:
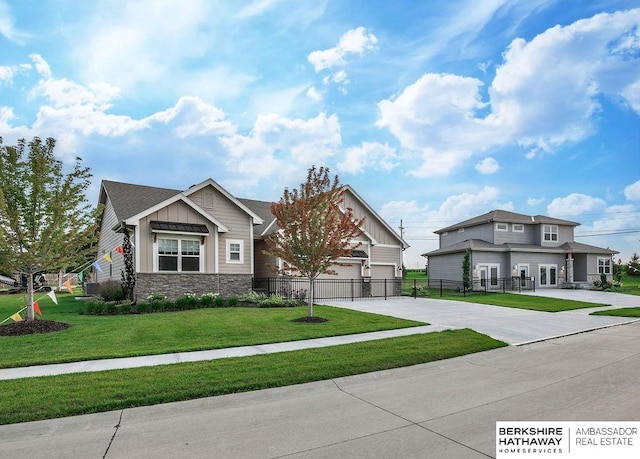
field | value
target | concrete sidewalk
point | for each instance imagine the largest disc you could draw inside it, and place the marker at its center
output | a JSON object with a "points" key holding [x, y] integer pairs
{"points": [[444, 409]]}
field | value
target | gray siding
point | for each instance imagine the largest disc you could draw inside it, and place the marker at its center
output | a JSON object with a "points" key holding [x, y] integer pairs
{"points": [[511, 236], [482, 232], [109, 240], [447, 267]]}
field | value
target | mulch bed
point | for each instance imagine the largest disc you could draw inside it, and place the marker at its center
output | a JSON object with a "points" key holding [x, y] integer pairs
{"points": [[312, 319], [28, 328]]}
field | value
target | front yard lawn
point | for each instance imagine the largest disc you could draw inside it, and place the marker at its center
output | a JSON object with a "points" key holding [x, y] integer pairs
{"points": [[534, 303], [100, 337], [622, 312], [73, 394]]}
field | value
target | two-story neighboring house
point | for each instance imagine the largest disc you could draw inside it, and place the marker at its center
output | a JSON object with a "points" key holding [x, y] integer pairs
{"points": [[203, 240], [508, 245]]}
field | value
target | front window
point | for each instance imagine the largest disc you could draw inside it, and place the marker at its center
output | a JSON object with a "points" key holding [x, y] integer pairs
{"points": [[604, 265], [235, 251], [518, 228], [502, 227], [178, 254], [550, 233]]}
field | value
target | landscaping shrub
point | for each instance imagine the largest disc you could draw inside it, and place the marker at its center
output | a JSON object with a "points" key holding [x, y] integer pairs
{"points": [[219, 302], [111, 291], [206, 299], [187, 301]]}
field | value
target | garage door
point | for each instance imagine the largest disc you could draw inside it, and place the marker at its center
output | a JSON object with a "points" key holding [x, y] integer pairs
{"points": [[347, 284], [383, 272]]}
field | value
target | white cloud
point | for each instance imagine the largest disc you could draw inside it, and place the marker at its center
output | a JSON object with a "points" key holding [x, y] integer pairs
{"points": [[193, 117], [257, 7], [575, 204], [7, 25], [340, 77], [314, 95], [283, 145], [369, 155], [532, 202], [632, 192], [545, 94], [6, 74], [354, 41], [487, 166]]}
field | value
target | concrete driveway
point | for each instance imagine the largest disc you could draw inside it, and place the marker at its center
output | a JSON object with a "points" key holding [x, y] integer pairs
{"points": [[513, 326]]}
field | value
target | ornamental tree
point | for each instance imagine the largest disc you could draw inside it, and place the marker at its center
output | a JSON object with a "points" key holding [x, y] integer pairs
{"points": [[45, 220], [315, 230]]}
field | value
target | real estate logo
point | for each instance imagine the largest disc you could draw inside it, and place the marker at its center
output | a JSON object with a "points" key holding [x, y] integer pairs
{"points": [[577, 440]]}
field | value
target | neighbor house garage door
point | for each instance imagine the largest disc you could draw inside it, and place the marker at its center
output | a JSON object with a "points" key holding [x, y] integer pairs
{"points": [[346, 284]]}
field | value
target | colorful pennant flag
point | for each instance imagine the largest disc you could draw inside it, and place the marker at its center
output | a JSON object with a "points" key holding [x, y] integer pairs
{"points": [[96, 265], [67, 284], [107, 257], [119, 250], [36, 308], [52, 295], [17, 317]]}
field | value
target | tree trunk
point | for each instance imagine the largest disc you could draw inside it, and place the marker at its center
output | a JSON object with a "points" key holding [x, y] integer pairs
{"points": [[30, 313], [310, 297]]}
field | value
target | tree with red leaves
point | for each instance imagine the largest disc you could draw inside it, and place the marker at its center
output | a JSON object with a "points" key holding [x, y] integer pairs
{"points": [[315, 230]]}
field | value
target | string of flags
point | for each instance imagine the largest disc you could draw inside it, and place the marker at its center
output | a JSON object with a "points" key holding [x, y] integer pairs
{"points": [[17, 317]]}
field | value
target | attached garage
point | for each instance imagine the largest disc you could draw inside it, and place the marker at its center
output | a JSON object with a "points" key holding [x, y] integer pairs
{"points": [[383, 272]]}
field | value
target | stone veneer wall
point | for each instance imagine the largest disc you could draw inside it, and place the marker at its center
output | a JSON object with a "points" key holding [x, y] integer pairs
{"points": [[174, 285]]}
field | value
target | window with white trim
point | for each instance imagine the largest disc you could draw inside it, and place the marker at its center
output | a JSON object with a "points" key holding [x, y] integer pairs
{"points": [[604, 265], [502, 227], [178, 254], [550, 233], [517, 228], [235, 251]]}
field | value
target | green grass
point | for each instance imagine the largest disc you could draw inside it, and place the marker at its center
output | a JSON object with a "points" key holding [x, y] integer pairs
{"points": [[74, 394], [630, 285], [99, 337], [622, 312], [533, 303]]}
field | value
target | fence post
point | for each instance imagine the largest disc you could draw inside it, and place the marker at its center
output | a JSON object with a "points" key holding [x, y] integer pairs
{"points": [[415, 288], [385, 288], [440, 288]]}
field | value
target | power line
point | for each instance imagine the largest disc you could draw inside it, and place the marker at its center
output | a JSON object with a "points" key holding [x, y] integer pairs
{"points": [[609, 233]]}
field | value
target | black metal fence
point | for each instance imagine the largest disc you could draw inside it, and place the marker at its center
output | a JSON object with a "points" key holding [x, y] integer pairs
{"points": [[329, 289], [442, 287]]}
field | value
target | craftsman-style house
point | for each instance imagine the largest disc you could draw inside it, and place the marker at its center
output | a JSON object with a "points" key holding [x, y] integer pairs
{"points": [[203, 240]]}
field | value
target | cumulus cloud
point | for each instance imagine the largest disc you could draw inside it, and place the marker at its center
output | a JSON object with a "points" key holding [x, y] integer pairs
{"points": [[632, 192], [193, 117], [313, 94], [354, 41], [370, 154], [545, 94], [283, 145], [532, 202], [575, 204], [487, 166]]}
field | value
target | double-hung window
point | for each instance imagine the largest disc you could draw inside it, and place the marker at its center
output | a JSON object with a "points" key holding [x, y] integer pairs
{"points": [[604, 265], [235, 251], [550, 233], [177, 254]]}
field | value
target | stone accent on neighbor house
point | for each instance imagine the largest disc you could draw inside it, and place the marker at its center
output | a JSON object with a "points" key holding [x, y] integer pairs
{"points": [[174, 285]]}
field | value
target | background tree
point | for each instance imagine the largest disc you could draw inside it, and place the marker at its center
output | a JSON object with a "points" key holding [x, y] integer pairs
{"points": [[45, 220], [633, 267], [314, 230]]}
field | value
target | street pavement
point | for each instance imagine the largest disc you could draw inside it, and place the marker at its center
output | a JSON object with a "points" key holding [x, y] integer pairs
{"points": [[444, 409]]}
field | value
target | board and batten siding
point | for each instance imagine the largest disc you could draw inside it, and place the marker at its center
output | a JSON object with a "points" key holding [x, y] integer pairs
{"points": [[371, 224], [109, 240], [238, 222], [387, 256]]}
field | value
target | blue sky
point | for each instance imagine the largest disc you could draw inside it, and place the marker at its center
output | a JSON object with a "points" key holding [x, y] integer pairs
{"points": [[434, 111]]}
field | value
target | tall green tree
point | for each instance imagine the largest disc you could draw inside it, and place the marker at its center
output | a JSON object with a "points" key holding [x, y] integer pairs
{"points": [[46, 222], [466, 266], [315, 230]]}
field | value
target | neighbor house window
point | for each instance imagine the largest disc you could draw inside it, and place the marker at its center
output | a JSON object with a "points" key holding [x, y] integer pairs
{"points": [[235, 251], [518, 228], [502, 227], [550, 232], [604, 265], [178, 254]]}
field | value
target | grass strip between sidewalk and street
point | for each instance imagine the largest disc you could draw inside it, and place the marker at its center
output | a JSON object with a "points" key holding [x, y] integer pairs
{"points": [[622, 312], [530, 302], [81, 393]]}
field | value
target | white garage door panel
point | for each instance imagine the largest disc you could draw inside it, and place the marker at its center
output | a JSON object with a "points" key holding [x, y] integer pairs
{"points": [[383, 272]]}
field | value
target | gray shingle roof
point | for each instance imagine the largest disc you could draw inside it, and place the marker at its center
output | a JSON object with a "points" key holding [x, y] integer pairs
{"points": [[128, 199], [263, 210], [504, 216], [480, 245]]}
